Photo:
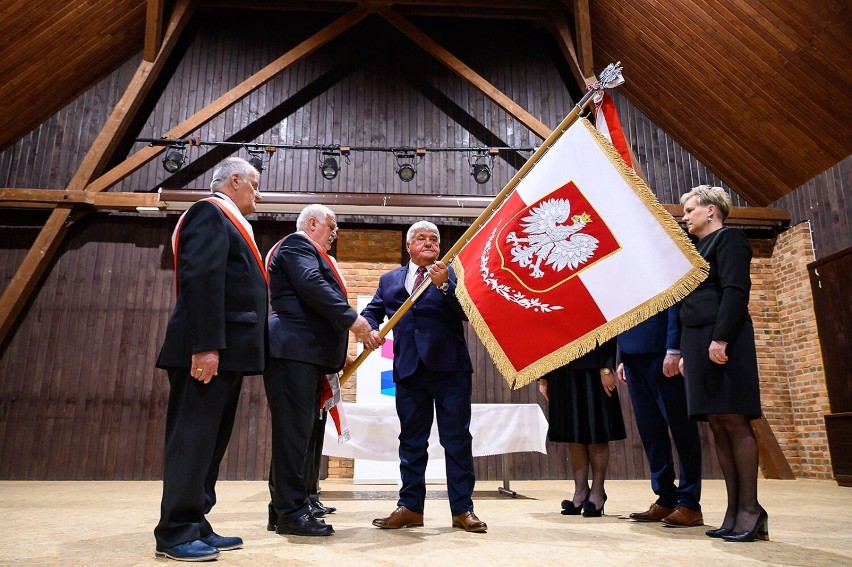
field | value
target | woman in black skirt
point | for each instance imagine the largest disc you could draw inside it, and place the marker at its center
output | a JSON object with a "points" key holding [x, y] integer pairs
{"points": [[719, 358], [583, 411]]}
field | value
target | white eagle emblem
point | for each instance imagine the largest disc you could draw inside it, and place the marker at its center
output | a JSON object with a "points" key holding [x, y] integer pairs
{"points": [[550, 240]]}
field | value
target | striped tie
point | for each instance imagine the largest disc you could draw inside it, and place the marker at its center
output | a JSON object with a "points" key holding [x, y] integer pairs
{"points": [[418, 279]]}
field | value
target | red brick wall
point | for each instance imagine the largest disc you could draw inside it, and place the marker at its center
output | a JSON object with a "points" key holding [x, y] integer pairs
{"points": [[363, 256], [799, 353], [792, 380]]}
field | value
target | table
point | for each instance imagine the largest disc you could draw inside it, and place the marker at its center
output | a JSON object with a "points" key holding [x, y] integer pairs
{"points": [[497, 429]]}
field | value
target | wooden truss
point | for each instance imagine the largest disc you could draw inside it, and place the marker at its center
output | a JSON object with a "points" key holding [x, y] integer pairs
{"points": [[88, 187]]}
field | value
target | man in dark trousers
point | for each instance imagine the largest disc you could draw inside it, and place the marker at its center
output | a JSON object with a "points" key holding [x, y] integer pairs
{"points": [[649, 364], [431, 368], [307, 339], [215, 335]]}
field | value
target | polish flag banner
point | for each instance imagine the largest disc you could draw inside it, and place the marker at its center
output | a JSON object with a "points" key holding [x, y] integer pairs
{"points": [[580, 251]]}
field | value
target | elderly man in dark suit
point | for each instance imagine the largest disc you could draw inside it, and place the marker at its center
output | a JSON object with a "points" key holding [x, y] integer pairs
{"points": [[215, 335], [649, 364], [307, 340], [431, 368]]}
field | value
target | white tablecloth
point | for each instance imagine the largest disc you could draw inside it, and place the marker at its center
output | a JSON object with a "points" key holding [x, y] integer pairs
{"points": [[496, 429]]}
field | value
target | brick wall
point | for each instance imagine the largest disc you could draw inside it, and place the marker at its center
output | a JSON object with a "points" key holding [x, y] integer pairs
{"points": [[363, 256], [799, 353], [792, 380]]}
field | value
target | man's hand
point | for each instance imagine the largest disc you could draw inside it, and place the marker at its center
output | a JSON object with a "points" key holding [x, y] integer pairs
{"points": [[205, 365], [374, 341], [619, 371], [438, 273], [542, 387], [671, 365], [361, 329]]}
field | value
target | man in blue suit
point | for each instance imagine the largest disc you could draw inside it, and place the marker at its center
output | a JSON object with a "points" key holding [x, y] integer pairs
{"points": [[649, 364], [431, 368], [308, 336]]}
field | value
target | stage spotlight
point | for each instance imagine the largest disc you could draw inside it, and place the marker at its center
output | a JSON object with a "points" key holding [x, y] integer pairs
{"points": [[406, 172], [406, 160], [174, 158], [482, 164], [329, 168], [481, 173], [256, 163], [255, 159]]}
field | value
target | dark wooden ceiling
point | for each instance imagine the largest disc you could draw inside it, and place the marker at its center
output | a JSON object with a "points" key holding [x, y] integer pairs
{"points": [[758, 90]]}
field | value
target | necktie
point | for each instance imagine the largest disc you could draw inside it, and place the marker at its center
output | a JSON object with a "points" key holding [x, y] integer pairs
{"points": [[418, 279]]}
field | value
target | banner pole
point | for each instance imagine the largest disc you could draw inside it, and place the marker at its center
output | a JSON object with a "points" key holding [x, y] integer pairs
{"points": [[609, 77]]}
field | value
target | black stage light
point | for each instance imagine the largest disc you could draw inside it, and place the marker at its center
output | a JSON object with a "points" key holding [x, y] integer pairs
{"points": [[174, 158], [329, 168], [256, 163], [406, 172], [481, 173]]}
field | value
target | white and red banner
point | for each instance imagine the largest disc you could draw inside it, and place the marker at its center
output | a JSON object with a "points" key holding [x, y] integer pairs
{"points": [[580, 251]]}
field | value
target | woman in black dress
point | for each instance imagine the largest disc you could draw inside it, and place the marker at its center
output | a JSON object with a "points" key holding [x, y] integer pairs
{"points": [[583, 411], [719, 358]]}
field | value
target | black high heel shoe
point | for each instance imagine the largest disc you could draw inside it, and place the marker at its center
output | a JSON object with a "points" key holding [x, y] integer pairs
{"points": [[719, 532], [569, 509], [589, 510], [759, 531]]}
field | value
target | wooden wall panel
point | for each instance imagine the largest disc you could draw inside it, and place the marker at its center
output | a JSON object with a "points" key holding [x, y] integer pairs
{"points": [[826, 202]]}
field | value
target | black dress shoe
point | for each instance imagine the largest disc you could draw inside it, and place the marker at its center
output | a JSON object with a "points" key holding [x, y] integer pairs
{"points": [[195, 550], [589, 510], [759, 531], [568, 508], [718, 533], [222, 543], [325, 509], [304, 525]]}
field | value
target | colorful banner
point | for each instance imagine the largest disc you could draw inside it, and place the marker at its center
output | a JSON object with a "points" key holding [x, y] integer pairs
{"points": [[580, 251]]}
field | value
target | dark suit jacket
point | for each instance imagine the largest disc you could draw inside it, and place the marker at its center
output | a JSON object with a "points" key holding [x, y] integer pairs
{"points": [[655, 335], [431, 331], [722, 299], [222, 296], [311, 315]]}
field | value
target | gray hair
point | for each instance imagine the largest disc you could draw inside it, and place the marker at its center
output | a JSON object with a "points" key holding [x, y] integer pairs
{"points": [[315, 211], [422, 226], [709, 195], [229, 166]]}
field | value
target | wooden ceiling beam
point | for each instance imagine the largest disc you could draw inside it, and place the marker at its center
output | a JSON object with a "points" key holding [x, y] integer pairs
{"points": [[457, 66], [558, 26], [225, 101], [583, 33], [153, 29], [52, 234], [40, 198]]}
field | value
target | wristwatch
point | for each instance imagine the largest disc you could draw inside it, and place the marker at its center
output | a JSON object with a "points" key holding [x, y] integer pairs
{"points": [[444, 287], [606, 371]]}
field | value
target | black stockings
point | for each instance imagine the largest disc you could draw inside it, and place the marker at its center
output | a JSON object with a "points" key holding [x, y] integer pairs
{"points": [[736, 448]]}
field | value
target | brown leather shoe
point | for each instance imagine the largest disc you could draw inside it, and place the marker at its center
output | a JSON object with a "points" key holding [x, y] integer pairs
{"points": [[402, 517], [683, 517], [654, 514], [469, 522]]}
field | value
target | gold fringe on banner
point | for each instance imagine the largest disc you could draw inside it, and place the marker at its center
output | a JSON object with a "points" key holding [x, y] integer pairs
{"points": [[518, 377]]}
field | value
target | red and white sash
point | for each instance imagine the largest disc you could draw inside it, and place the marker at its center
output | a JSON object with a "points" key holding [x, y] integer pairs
{"points": [[237, 224]]}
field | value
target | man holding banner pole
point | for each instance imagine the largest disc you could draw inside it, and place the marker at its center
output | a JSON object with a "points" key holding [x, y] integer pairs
{"points": [[432, 372]]}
